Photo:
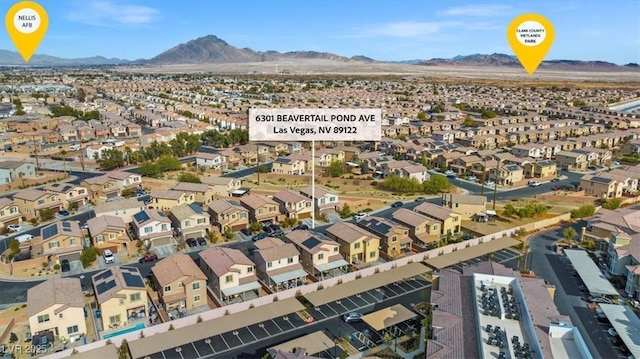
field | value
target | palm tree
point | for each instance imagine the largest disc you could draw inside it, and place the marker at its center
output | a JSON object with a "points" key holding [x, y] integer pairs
{"points": [[21, 175], [63, 153]]}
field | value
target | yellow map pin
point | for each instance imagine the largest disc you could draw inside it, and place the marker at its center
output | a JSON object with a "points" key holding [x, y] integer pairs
{"points": [[530, 37], [26, 24]]}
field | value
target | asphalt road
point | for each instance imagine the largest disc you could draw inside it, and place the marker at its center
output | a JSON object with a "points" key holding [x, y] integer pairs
{"points": [[555, 269]]}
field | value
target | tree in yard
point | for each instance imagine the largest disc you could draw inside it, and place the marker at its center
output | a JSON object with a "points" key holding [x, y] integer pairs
{"points": [[149, 169], [437, 184], [422, 116], [123, 350], [509, 210], [46, 214], [345, 211], [613, 203], [335, 169], [169, 163], [14, 246], [569, 234], [13, 337], [111, 159], [21, 175], [262, 169], [189, 177], [63, 153], [88, 256]]}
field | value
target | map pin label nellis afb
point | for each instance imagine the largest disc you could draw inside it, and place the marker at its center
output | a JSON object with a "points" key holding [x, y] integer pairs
{"points": [[26, 23], [530, 37]]}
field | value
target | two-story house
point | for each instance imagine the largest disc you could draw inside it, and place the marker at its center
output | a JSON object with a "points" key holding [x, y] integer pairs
{"points": [[230, 274], [394, 238], [325, 200], [165, 199], [124, 209], [125, 180], [601, 186], [190, 220], [356, 244], [293, 204], [101, 188], [33, 201], [211, 160], [228, 215], [571, 160], [16, 171], [108, 232], [423, 230], [202, 192], [319, 255], [278, 264], [121, 296], [261, 208], [222, 187], [466, 205], [180, 283], [70, 195], [61, 240], [57, 305], [540, 169], [9, 213], [450, 221], [288, 166], [153, 227]]}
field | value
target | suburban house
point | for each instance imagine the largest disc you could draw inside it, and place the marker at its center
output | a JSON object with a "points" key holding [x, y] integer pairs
{"points": [[261, 208], [222, 186], [32, 201], [325, 200], [394, 238], [540, 169], [624, 260], [288, 166], [422, 229], [152, 226], [228, 215], [211, 160], [57, 305], [319, 255], [278, 264], [507, 174], [419, 172], [466, 205], [231, 275], [450, 220], [108, 232], [9, 213], [293, 204], [11, 171], [571, 160], [61, 240], [356, 244], [166, 199], [101, 188], [203, 193], [601, 186], [121, 296], [70, 195], [190, 220], [124, 209], [125, 180], [181, 285]]}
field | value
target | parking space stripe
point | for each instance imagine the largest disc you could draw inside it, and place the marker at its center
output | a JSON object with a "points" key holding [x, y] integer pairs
{"points": [[339, 302], [250, 332], [354, 303], [410, 283], [208, 341], [388, 287], [225, 342], [333, 310], [276, 324], [196, 349]]}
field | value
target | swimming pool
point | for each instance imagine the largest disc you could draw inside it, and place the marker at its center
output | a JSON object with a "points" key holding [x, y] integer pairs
{"points": [[138, 326]]}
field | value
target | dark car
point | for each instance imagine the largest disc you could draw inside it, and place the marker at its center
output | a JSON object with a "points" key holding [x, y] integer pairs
{"points": [[268, 229], [397, 204], [149, 258], [201, 241], [64, 265], [247, 231], [277, 233], [259, 236], [301, 227], [555, 179], [191, 242], [63, 212]]}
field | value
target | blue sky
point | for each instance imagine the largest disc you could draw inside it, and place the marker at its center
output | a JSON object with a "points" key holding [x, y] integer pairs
{"points": [[384, 30]]}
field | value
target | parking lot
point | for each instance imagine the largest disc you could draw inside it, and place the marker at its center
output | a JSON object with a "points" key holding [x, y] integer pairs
{"points": [[508, 257], [218, 346]]}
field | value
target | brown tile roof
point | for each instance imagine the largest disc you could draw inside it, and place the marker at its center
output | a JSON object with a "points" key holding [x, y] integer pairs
{"points": [[320, 192], [129, 203], [166, 194], [115, 274], [100, 224], [299, 239], [409, 217], [65, 291], [225, 206], [221, 260], [191, 187], [290, 196], [255, 201], [30, 194], [433, 211], [348, 232], [271, 249], [175, 267], [4, 202], [119, 175]]}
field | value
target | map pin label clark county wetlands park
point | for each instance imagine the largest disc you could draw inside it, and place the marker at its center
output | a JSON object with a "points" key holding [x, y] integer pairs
{"points": [[530, 37], [26, 24]]}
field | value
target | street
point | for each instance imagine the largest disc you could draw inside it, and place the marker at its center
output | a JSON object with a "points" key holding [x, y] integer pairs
{"points": [[553, 268]]}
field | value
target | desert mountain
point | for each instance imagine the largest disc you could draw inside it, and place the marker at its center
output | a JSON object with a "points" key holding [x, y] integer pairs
{"points": [[10, 58], [499, 60]]}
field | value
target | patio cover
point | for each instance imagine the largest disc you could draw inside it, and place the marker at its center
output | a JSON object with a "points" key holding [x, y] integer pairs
{"points": [[626, 323], [589, 272], [240, 289], [313, 343], [387, 317], [331, 265], [283, 277]]}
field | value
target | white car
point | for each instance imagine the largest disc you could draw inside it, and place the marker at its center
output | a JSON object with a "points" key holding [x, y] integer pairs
{"points": [[108, 256], [612, 332], [359, 215], [534, 184], [489, 183], [601, 300], [472, 178], [14, 228]]}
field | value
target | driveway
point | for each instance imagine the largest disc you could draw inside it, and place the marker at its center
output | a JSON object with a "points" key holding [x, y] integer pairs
{"points": [[554, 268]]}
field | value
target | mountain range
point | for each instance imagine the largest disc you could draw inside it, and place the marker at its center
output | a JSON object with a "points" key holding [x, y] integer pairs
{"points": [[213, 50]]}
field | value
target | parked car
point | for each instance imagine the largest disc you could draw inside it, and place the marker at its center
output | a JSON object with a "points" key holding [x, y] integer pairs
{"points": [[246, 231], [352, 317], [85, 226], [301, 227], [191, 242], [63, 212], [149, 258], [472, 178], [601, 300], [259, 236], [555, 179], [108, 256], [397, 204], [489, 183], [534, 183], [359, 215], [65, 266], [277, 233], [612, 332], [14, 228], [201, 241], [420, 199]]}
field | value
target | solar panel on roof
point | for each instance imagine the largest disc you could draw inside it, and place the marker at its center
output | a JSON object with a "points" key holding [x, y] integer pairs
{"points": [[141, 217], [50, 231], [133, 280], [66, 224], [311, 242], [161, 214], [104, 275], [103, 287], [195, 208]]}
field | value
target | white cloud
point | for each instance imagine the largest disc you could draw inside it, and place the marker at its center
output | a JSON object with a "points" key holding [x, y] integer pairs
{"points": [[478, 10], [408, 29], [109, 13]]}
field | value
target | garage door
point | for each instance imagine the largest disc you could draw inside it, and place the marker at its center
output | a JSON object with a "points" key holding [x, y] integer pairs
{"points": [[161, 241], [304, 215], [70, 257]]}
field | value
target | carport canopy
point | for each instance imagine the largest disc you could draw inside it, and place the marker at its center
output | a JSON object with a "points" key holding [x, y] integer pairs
{"points": [[313, 343], [337, 292], [388, 317], [593, 278], [626, 323], [465, 254], [240, 288]]}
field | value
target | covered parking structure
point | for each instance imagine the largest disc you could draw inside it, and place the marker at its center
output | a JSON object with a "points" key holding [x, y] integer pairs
{"points": [[591, 275], [466, 254], [340, 291], [389, 319], [313, 343], [626, 323]]}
